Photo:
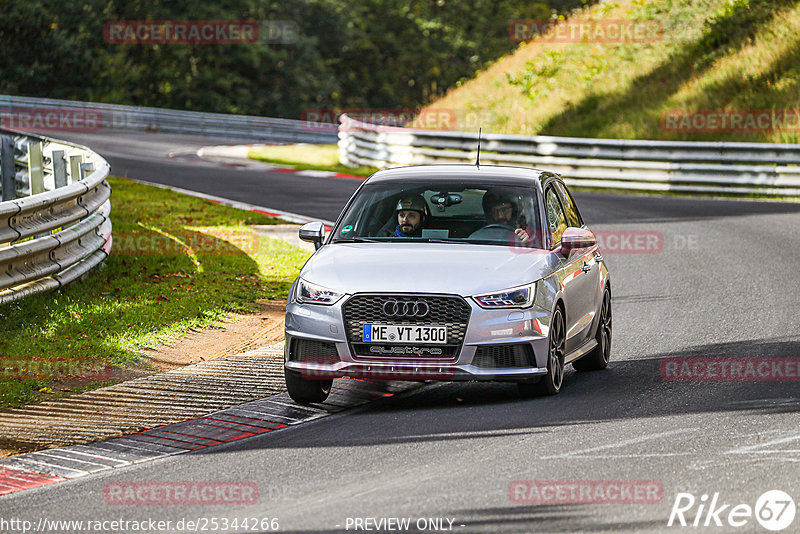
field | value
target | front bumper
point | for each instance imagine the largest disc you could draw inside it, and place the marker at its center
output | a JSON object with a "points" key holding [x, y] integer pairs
{"points": [[399, 370], [485, 328]]}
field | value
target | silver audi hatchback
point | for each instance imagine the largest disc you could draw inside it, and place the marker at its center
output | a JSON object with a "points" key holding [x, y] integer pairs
{"points": [[450, 272]]}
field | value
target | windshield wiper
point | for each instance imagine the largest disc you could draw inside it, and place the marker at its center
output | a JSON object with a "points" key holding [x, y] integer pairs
{"points": [[439, 240], [357, 240]]}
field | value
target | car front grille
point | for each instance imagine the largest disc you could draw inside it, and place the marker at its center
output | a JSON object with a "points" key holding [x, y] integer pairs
{"points": [[444, 310], [504, 356], [310, 351]]}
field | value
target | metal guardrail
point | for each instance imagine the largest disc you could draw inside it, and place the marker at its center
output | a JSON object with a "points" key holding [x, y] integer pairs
{"points": [[704, 167], [54, 216], [36, 114]]}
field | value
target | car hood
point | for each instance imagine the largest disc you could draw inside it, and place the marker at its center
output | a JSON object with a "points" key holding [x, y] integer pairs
{"points": [[425, 267]]}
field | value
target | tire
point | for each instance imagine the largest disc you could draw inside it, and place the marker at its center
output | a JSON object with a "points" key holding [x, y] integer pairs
{"points": [[304, 391], [598, 358], [550, 384]]}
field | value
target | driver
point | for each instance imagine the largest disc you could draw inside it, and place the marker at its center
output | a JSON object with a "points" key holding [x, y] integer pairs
{"points": [[412, 214], [501, 209]]}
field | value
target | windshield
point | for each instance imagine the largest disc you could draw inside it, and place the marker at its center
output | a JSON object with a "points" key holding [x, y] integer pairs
{"points": [[447, 211]]}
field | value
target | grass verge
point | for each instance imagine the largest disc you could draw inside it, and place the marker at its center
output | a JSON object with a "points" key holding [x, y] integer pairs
{"points": [[710, 55], [308, 157], [178, 263]]}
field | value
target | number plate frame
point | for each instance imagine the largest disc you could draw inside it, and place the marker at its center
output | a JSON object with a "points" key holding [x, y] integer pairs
{"points": [[395, 333]]}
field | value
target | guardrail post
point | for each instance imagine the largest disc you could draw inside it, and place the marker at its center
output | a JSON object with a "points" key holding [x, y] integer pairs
{"points": [[35, 168], [7, 169], [59, 169], [75, 168]]}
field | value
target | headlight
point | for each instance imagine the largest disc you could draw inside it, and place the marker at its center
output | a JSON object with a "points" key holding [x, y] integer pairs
{"points": [[309, 293], [516, 297]]}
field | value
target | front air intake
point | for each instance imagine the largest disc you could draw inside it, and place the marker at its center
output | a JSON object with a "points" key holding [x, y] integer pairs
{"points": [[504, 356], [310, 351]]}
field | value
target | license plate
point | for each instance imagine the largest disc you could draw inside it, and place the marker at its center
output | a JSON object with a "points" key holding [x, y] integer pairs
{"points": [[388, 333]]}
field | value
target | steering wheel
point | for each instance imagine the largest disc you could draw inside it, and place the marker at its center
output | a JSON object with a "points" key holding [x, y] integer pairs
{"points": [[495, 231], [499, 225]]}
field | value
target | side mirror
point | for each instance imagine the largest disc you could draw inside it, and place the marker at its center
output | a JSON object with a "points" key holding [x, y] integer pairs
{"points": [[313, 232], [576, 238]]}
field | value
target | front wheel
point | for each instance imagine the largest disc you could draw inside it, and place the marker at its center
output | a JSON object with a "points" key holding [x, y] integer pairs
{"points": [[598, 358], [305, 391], [550, 384]]}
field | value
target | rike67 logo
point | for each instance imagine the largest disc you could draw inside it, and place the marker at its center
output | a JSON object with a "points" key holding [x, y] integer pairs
{"points": [[774, 510]]}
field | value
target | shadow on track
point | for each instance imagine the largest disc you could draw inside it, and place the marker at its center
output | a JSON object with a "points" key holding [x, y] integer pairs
{"points": [[627, 390]]}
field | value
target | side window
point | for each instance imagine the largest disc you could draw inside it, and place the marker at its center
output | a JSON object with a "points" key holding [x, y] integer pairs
{"points": [[573, 217], [556, 221]]}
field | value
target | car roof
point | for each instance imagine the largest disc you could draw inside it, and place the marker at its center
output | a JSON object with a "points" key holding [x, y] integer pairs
{"points": [[484, 174]]}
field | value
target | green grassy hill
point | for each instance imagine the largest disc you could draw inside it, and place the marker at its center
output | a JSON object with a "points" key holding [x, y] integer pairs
{"points": [[733, 55]]}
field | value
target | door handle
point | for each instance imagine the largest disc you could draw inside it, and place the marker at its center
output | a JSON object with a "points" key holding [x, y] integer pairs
{"points": [[598, 258], [586, 267]]}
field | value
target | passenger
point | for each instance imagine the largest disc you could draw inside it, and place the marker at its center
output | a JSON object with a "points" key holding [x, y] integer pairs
{"points": [[412, 214]]}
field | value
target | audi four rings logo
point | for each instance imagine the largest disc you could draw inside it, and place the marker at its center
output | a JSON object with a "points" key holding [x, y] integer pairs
{"points": [[401, 308]]}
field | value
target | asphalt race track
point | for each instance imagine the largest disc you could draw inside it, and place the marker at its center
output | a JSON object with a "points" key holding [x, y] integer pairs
{"points": [[712, 279], [171, 160]]}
